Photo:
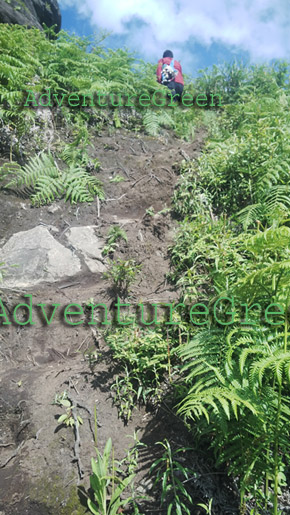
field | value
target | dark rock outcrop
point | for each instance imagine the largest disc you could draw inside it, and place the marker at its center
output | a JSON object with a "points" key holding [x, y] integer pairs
{"points": [[32, 13]]}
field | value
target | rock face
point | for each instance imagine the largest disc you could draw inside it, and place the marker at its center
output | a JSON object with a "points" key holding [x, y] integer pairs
{"points": [[85, 241], [38, 258], [31, 13]]}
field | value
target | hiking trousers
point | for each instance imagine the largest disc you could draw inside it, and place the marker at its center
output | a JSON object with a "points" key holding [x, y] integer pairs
{"points": [[177, 87]]}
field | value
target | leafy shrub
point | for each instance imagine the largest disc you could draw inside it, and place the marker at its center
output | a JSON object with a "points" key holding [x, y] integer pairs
{"points": [[122, 273], [148, 358], [115, 233]]}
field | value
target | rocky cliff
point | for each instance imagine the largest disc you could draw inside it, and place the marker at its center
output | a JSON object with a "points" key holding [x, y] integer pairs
{"points": [[32, 13]]}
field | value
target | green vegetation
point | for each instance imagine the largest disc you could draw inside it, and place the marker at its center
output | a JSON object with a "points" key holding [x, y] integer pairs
{"points": [[115, 233], [130, 462], [147, 359], [45, 182], [3, 269], [125, 395], [207, 508], [67, 418], [118, 178], [122, 273], [68, 64], [171, 473], [234, 241], [104, 477]]}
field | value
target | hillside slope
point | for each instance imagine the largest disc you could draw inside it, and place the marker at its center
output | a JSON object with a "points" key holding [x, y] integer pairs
{"points": [[182, 216]]}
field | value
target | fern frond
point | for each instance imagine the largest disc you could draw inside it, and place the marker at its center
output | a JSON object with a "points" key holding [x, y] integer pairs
{"points": [[151, 123], [275, 363], [193, 406], [35, 168], [48, 182]]}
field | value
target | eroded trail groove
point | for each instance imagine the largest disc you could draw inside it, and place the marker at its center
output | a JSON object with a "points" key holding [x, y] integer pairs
{"points": [[58, 250]]}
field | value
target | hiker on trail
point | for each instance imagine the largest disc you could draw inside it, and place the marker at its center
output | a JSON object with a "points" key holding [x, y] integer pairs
{"points": [[169, 73]]}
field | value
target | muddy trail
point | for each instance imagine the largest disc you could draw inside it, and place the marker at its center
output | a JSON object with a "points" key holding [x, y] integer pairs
{"points": [[39, 470]]}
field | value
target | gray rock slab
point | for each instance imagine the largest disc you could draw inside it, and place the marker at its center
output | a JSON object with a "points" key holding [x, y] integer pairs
{"points": [[85, 241], [39, 258], [32, 13]]}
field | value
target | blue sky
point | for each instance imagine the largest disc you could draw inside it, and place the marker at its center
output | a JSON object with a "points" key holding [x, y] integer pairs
{"points": [[200, 33]]}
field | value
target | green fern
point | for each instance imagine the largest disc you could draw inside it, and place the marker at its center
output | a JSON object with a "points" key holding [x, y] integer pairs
{"points": [[151, 123], [236, 384], [43, 182]]}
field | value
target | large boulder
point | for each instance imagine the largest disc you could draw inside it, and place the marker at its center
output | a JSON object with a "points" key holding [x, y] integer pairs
{"points": [[84, 240], [37, 257], [32, 13]]}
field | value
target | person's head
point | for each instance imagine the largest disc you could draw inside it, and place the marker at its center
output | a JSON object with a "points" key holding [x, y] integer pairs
{"points": [[167, 53]]}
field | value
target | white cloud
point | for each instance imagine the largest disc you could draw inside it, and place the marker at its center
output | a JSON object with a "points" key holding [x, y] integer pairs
{"points": [[260, 27]]}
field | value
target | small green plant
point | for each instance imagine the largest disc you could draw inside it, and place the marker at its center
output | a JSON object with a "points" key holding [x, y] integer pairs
{"points": [[67, 418], [91, 356], [207, 507], [130, 462], [106, 485], [153, 121], [169, 473], [150, 211], [117, 179], [128, 465], [88, 303], [116, 119], [3, 270], [115, 233], [164, 211], [48, 6], [125, 395], [122, 273]]}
